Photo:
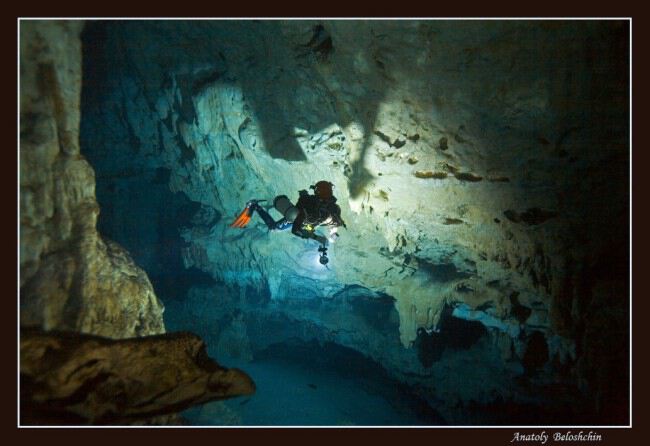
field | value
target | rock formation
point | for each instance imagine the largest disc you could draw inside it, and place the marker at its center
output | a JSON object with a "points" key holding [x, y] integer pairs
{"points": [[70, 277], [70, 378], [481, 167], [74, 281]]}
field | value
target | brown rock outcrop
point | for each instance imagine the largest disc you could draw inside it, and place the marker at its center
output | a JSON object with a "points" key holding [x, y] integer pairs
{"points": [[71, 378]]}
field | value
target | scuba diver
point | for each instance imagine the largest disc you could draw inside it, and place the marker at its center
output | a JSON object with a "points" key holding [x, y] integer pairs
{"points": [[309, 212]]}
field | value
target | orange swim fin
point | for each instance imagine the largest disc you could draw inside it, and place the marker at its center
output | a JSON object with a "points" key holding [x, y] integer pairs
{"points": [[243, 219]]}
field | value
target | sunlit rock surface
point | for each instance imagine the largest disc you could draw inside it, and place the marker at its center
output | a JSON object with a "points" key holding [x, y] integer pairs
{"points": [[481, 167], [70, 277], [68, 378]]}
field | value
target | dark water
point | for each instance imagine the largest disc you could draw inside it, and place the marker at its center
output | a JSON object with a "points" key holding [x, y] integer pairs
{"points": [[304, 384]]}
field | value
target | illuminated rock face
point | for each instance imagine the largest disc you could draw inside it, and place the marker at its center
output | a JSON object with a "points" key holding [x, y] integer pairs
{"points": [[70, 277], [481, 168]]}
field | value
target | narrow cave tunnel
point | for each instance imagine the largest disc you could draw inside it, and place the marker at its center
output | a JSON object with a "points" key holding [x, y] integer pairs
{"points": [[467, 286]]}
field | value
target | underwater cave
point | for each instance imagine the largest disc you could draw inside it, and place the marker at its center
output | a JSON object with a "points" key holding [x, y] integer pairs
{"points": [[477, 281]]}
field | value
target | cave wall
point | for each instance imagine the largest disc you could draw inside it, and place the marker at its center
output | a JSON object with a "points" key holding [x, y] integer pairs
{"points": [[71, 278], [93, 347], [479, 165]]}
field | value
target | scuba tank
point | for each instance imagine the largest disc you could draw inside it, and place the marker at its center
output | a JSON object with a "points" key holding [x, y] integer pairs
{"points": [[285, 207]]}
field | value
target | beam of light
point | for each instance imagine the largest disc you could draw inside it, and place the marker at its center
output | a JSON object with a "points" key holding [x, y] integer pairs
{"points": [[333, 235]]}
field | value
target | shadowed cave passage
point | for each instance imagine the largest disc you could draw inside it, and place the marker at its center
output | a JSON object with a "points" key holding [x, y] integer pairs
{"points": [[452, 333], [139, 211], [465, 158]]}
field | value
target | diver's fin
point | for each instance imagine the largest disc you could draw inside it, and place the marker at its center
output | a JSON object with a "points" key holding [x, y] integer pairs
{"points": [[242, 219], [245, 217]]}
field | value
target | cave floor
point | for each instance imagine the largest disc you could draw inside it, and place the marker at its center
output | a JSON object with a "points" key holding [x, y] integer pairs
{"points": [[297, 394]]}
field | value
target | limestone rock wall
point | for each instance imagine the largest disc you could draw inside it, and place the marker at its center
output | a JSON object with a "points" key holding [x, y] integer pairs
{"points": [[479, 165], [70, 277], [459, 144]]}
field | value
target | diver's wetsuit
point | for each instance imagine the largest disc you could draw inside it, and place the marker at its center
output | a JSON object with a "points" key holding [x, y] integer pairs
{"points": [[312, 212], [273, 225]]}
